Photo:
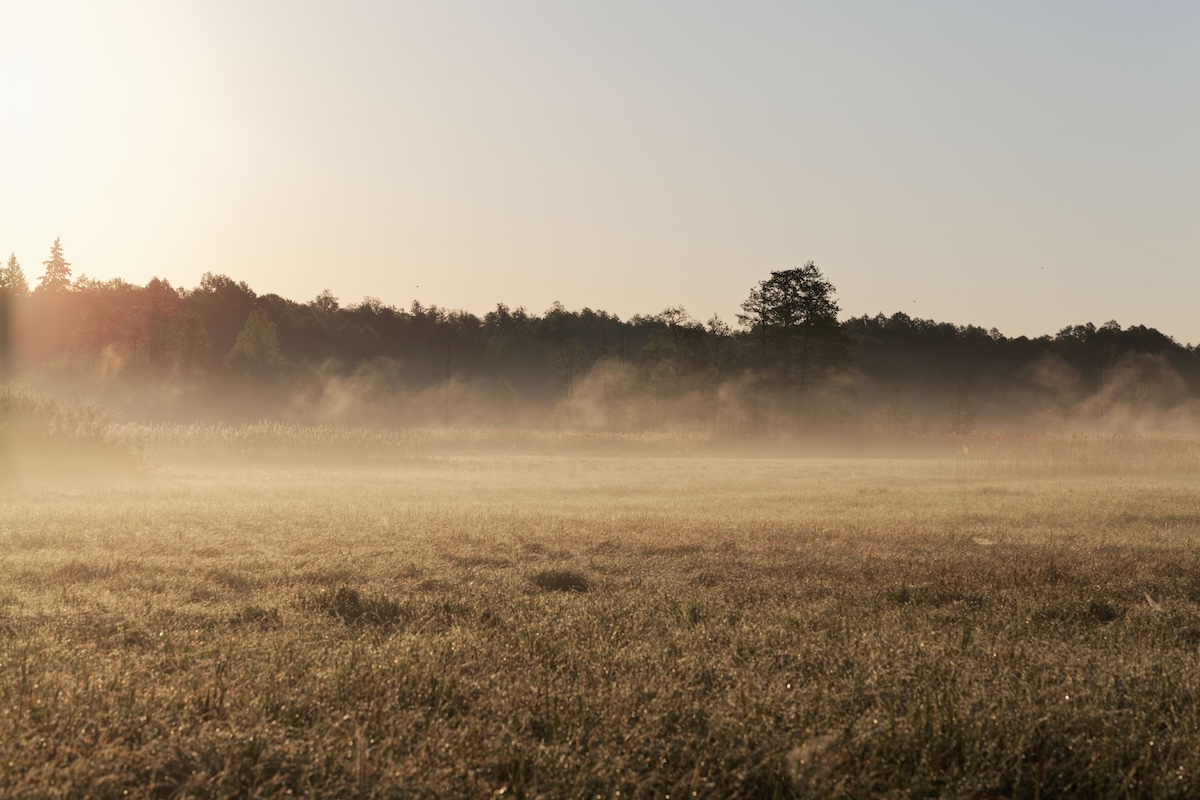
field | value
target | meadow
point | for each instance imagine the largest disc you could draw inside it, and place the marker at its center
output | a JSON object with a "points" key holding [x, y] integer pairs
{"points": [[270, 612]]}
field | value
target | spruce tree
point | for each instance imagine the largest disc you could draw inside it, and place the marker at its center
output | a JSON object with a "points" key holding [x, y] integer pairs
{"points": [[58, 272], [12, 278]]}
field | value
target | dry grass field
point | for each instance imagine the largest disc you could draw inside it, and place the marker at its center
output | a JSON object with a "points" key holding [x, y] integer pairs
{"points": [[1018, 620]]}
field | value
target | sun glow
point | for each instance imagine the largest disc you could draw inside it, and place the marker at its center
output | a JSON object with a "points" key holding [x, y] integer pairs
{"points": [[27, 97]]}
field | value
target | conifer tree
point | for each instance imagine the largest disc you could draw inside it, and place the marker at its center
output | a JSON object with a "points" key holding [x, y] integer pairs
{"points": [[58, 272], [12, 278]]}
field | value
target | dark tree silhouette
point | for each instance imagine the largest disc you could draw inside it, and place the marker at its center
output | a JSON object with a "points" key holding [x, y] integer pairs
{"points": [[223, 305], [221, 338], [719, 334], [325, 302], [794, 310], [671, 348]]}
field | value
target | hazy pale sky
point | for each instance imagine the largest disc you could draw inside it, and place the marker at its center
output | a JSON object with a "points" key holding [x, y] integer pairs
{"points": [[1023, 165]]}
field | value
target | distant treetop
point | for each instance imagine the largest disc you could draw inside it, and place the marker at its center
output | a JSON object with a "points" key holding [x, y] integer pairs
{"points": [[58, 271]]}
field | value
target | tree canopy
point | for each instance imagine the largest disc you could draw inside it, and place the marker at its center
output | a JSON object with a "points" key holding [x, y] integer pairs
{"points": [[210, 350], [793, 316]]}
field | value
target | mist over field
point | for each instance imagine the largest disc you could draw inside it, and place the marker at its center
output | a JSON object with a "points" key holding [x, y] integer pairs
{"points": [[221, 353], [280, 549], [283, 609], [612, 401]]}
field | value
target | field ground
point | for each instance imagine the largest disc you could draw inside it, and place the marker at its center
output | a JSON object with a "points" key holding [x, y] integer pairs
{"points": [[603, 625]]}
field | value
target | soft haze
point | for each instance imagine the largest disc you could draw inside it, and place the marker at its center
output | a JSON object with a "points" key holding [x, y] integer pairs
{"points": [[1019, 165]]}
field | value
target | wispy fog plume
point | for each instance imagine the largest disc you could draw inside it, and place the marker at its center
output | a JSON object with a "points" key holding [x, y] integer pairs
{"points": [[603, 399], [378, 393], [1140, 394], [364, 397]]}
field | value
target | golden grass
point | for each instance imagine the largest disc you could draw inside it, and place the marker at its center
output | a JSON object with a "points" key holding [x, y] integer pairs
{"points": [[980, 453], [582, 625]]}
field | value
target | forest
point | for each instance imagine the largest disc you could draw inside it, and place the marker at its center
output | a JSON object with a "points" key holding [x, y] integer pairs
{"points": [[223, 352]]}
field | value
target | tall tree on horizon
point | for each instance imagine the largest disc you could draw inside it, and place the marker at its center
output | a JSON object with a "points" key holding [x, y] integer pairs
{"points": [[12, 278], [58, 271], [795, 309], [326, 303]]}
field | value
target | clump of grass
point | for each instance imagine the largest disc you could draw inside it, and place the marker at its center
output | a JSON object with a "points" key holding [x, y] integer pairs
{"points": [[265, 619], [1102, 611], [561, 580], [604, 547], [231, 579], [477, 560], [355, 608], [931, 595], [673, 550], [433, 585], [1188, 636], [78, 571]]}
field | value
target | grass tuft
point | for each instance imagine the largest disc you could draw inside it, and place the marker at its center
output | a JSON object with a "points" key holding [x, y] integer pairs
{"points": [[354, 608], [561, 580], [1103, 612], [265, 619]]}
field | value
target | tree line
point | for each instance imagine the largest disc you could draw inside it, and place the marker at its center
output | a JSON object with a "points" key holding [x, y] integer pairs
{"points": [[222, 350]]}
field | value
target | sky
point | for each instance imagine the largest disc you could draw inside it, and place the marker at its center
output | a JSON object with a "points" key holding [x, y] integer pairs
{"points": [[1018, 165]]}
